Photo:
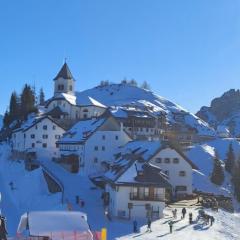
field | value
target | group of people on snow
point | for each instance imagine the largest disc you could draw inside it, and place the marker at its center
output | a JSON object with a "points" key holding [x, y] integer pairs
{"points": [[205, 217]]}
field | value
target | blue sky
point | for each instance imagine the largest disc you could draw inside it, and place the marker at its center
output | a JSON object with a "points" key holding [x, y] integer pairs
{"points": [[189, 51]]}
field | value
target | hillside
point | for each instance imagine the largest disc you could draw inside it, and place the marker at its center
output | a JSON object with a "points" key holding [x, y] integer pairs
{"points": [[125, 94], [223, 111]]}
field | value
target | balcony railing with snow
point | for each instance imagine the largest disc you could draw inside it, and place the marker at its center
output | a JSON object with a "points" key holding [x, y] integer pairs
{"points": [[142, 197]]}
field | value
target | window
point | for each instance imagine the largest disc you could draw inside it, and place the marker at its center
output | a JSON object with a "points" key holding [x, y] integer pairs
{"points": [[167, 160], [24, 135], [36, 126], [70, 88], [33, 145], [44, 145], [57, 136], [32, 135], [175, 160], [103, 148], [54, 127], [85, 110], [158, 160], [135, 191], [146, 192], [60, 87], [103, 137], [182, 173], [44, 127], [95, 160], [96, 148], [116, 137], [166, 172], [181, 188], [44, 136], [85, 115]]}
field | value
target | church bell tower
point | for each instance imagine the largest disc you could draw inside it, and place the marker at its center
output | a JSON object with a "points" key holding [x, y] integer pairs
{"points": [[64, 81]]}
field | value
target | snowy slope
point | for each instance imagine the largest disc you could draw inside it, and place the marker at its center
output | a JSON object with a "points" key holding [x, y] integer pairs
{"points": [[125, 94]]}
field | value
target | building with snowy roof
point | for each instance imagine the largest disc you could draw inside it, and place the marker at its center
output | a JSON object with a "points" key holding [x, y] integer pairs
{"points": [[144, 176], [89, 145], [71, 104]]}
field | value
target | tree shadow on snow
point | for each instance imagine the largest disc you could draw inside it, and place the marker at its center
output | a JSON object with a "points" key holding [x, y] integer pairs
{"points": [[181, 228], [163, 235]]}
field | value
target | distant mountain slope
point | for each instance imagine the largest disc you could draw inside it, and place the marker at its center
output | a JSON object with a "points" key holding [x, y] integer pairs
{"points": [[125, 94], [224, 111]]}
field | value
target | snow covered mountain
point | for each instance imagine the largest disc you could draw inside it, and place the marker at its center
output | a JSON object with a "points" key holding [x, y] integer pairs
{"points": [[223, 112], [125, 94]]}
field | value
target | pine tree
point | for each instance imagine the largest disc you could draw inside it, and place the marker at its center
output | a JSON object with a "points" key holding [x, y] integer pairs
{"points": [[236, 179], [133, 82], [14, 107], [229, 164], [27, 101], [6, 119], [145, 85], [41, 97], [217, 176]]}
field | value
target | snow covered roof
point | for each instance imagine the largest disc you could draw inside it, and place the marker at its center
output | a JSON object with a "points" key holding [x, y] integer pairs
{"points": [[138, 153], [45, 223], [64, 73], [76, 100], [81, 131], [33, 120]]}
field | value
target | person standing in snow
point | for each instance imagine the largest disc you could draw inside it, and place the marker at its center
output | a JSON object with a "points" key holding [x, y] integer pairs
{"points": [[212, 220], [190, 218], [184, 211], [149, 225], [135, 226], [170, 226], [3, 230]]}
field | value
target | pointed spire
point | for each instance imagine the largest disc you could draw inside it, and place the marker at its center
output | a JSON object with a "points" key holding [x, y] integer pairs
{"points": [[64, 72]]}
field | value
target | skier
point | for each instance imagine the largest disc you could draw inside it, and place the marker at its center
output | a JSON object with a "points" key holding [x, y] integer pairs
{"points": [[170, 226], [3, 230], [184, 211], [149, 225], [190, 218], [134, 226]]}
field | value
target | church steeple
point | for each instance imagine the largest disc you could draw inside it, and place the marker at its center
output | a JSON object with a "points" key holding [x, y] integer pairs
{"points": [[64, 81]]}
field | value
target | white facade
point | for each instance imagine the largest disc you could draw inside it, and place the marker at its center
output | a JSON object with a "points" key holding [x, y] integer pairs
{"points": [[120, 199], [176, 167], [40, 138], [75, 111], [98, 148]]}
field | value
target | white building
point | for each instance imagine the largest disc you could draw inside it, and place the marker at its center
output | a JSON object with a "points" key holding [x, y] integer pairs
{"points": [[89, 145], [72, 105], [38, 135], [146, 173], [176, 166], [135, 188]]}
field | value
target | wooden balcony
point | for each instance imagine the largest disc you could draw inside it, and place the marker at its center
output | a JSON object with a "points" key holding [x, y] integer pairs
{"points": [[141, 197]]}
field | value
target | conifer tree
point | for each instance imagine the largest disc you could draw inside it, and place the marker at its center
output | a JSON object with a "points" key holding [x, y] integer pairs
{"points": [[236, 179], [14, 110], [145, 85], [6, 119], [41, 97], [217, 176], [27, 101], [229, 164]]}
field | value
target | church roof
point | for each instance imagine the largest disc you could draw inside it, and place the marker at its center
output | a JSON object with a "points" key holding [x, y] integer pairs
{"points": [[64, 73]]}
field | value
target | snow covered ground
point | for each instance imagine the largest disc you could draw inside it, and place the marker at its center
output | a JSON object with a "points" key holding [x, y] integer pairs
{"points": [[30, 193]]}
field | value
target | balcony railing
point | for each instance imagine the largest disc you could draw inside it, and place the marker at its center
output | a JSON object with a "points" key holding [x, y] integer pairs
{"points": [[142, 197]]}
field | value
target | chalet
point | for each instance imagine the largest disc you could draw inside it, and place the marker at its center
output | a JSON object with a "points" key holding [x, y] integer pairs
{"points": [[146, 174], [134, 187], [37, 136], [140, 123], [88, 146]]}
